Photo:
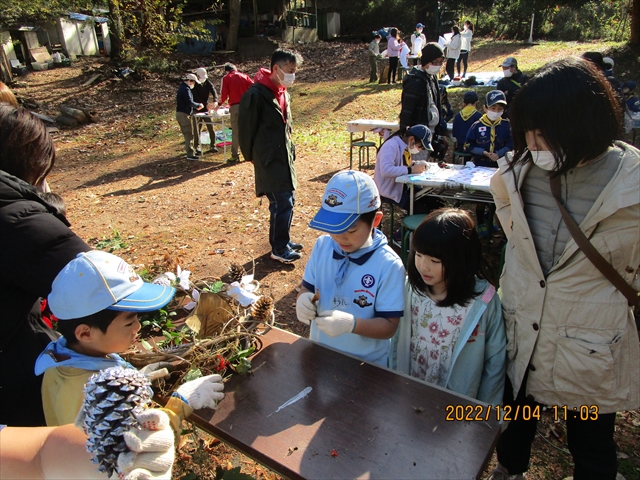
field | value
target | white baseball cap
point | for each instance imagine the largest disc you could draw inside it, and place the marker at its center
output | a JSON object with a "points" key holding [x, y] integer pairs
{"points": [[201, 73], [191, 76], [96, 281], [348, 195]]}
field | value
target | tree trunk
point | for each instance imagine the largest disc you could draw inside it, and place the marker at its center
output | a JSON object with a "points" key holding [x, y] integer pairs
{"points": [[634, 39], [234, 25], [117, 33]]}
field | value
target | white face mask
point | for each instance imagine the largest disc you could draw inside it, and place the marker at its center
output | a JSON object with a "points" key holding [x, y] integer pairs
{"points": [[414, 150], [288, 79], [493, 116], [544, 159], [433, 69], [507, 73]]}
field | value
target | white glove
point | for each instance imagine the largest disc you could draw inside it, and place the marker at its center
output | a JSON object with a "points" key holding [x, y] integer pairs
{"points": [[335, 323], [306, 310], [152, 450], [203, 392], [153, 371]]}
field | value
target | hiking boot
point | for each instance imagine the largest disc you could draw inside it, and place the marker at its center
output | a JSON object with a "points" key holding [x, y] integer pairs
{"points": [[501, 473], [288, 256], [295, 246]]}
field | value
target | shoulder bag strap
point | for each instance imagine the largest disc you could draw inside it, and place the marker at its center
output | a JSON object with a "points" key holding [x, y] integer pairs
{"points": [[589, 250]]}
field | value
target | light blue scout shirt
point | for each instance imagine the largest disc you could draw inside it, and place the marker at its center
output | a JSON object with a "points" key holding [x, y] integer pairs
{"points": [[367, 283]]}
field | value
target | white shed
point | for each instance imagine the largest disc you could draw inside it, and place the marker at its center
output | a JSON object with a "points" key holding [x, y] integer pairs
{"points": [[84, 35]]}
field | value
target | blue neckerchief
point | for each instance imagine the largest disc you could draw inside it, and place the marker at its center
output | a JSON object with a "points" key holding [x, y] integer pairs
{"points": [[359, 257], [57, 354]]}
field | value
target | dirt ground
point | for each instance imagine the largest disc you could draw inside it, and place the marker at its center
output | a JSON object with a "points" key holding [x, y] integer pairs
{"points": [[127, 183]]}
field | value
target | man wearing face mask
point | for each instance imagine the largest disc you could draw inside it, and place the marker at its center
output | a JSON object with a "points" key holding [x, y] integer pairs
{"points": [[185, 107], [512, 80], [264, 121], [420, 96]]}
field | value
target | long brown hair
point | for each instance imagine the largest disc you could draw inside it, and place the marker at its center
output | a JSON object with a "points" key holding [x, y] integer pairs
{"points": [[26, 149]]}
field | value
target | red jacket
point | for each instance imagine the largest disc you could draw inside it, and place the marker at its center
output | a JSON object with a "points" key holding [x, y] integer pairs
{"points": [[234, 84]]}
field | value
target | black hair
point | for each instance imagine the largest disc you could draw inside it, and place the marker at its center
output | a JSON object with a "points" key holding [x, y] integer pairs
{"points": [[229, 67], [26, 148], [377, 35], [368, 217], [56, 201], [393, 32], [282, 57], [101, 320], [456, 30], [449, 234], [570, 86], [468, 22]]}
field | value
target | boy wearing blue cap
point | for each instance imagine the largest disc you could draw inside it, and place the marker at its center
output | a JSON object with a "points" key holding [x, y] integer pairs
{"points": [[358, 278], [490, 138], [97, 298], [465, 118]]}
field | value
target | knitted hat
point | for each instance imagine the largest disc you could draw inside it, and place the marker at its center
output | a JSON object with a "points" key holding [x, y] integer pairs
{"points": [[431, 52]]}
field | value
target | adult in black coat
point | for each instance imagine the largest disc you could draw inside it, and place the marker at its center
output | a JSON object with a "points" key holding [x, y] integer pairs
{"points": [[511, 82], [36, 244]]}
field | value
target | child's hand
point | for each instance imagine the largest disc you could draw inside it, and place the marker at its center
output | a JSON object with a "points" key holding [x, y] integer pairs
{"points": [[335, 323], [151, 448], [203, 392], [306, 309]]}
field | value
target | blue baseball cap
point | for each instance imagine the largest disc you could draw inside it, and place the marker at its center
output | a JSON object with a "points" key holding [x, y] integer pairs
{"points": [[419, 25], [493, 97], [96, 281], [348, 195], [470, 97], [423, 134]]}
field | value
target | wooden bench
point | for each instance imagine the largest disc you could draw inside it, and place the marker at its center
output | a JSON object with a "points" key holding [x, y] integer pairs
{"points": [[358, 420]]}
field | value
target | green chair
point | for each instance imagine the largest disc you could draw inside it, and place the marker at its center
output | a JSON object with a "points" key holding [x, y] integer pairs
{"points": [[409, 224], [362, 146]]}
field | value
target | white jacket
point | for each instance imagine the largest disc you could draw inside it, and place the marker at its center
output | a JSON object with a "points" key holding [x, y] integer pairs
{"points": [[573, 331], [453, 47], [465, 43]]}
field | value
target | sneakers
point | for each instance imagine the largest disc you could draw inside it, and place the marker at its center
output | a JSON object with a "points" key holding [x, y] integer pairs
{"points": [[198, 152], [233, 159], [193, 158], [214, 149], [288, 256], [501, 473], [295, 246]]}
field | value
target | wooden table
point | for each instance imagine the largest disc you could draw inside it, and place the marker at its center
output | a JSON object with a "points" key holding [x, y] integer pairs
{"points": [[358, 421]]}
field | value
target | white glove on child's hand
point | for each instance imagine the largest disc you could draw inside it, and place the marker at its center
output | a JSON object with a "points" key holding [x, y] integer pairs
{"points": [[335, 323], [306, 310], [152, 450], [203, 392]]}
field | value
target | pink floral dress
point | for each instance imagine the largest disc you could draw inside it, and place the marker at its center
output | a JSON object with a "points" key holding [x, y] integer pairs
{"points": [[434, 331]]}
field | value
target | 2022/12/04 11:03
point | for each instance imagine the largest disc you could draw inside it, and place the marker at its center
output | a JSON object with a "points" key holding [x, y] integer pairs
{"points": [[583, 412]]}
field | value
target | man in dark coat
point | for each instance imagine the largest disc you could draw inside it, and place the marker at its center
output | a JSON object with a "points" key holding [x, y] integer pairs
{"points": [[265, 139], [202, 89], [511, 82]]}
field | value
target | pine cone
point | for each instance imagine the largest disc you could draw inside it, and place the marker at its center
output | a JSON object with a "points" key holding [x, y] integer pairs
{"points": [[236, 272], [112, 398], [262, 309]]}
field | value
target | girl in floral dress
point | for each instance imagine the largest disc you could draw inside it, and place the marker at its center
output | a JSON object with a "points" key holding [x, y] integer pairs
{"points": [[452, 334]]}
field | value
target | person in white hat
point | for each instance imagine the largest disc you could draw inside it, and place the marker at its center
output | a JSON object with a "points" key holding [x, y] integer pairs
{"points": [[185, 107], [201, 92], [359, 279], [97, 298]]}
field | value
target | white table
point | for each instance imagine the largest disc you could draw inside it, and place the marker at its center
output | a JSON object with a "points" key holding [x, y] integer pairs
{"points": [[470, 184], [364, 125], [217, 119]]}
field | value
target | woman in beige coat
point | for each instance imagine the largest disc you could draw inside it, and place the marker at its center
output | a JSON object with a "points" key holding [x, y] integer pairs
{"points": [[572, 339]]}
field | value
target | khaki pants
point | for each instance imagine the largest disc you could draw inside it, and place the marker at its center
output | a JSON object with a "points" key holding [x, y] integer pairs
{"points": [[186, 126], [196, 133], [233, 111], [373, 69]]}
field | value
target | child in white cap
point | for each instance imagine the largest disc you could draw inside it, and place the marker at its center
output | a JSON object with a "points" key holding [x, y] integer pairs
{"points": [[97, 298], [358, 277]]}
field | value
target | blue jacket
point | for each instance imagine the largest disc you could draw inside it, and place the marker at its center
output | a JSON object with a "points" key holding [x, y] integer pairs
{"points": [[184, 100], [57, 354], [462, 126], [485, 136], [478, 364]]}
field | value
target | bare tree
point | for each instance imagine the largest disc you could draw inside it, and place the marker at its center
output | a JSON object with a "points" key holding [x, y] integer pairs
{"points": [[234, 25]]}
